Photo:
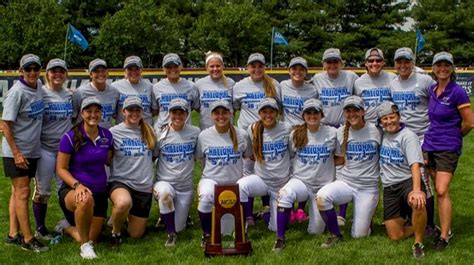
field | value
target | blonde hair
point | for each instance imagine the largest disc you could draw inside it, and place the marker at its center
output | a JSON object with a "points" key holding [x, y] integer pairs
{"points": [[300, 135], [269, 86], [345, 139], [215, 55], [257, 140], [148, 135], [233, 137]]}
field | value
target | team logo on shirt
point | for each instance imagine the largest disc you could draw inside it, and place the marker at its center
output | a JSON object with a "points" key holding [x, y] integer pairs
{"points": [[406, 100], [274, 150], [313, 154], [333, 96], [58, 111], [167, 97], [252, 99], [36, 110], [107, 112], [178, 153], [209, 96], [293, 104], [374, 96], [133, 147], [361, 151], [390, 155], [223, 155]]}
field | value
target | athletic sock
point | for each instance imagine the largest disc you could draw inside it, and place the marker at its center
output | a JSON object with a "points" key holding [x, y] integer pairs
{"points": [[283, 217], [206, 222], [330, 218], [342, 210], [168, 220], [39, 211], [247, 206], [430, 211], [266, 200]]}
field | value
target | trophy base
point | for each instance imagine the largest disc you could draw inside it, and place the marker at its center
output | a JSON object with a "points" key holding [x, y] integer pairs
{"points": [[240, 249]]}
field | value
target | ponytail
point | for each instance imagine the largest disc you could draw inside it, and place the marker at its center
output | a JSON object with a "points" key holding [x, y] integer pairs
{"points": [[148, 136], [300, 135], [257, 142], [269, 86], [78, 137], [345, 139], [233, 137]]}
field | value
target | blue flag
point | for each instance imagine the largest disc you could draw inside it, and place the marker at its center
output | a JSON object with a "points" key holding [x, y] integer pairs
{"points": [[420, 41], [278, 38], [75, 36]]}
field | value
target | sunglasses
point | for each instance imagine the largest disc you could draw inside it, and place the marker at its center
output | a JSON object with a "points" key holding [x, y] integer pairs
{"points": [[375, 60], [32, 68]]}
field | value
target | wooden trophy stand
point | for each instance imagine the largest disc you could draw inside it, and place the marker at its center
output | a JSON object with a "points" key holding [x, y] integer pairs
{"points": [[226, 201]]}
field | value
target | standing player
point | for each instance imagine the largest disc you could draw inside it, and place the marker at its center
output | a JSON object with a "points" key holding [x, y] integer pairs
{"points": [[174, 172], [131, 175], [213, 87], [358, 151], [222, 147], [403, 190], [21, 148], [57, 120], [312, 147], [99, 88], [134, 85], [171, 87], [374, 86], [272, 159]]}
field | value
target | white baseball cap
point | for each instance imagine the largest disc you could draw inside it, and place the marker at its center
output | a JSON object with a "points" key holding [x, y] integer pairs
{"points": [[132, 61], [374, 52], [313, 104], [387, 107], [178, 103], [56, 63], [171, 58], [221, 103], [29, 59], [89, 101], [332, 53], [268, 102], [354, 101], [404, 53], [96, 63], [443, 56], [132, 101], [256, 57], [298, 60]]}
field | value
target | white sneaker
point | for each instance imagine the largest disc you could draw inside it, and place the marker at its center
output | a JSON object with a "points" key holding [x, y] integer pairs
{"points": [[61, 225], [341, 221], [87, 251]]}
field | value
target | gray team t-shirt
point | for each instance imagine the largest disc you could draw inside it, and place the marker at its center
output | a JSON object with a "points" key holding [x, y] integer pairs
{"points": [[210, 91], [333, 92], [275, 168], [373, 91], [361, 168], [222, 163], [175, 151], [132, 161], [143, 90], [313, 164], [411, 96], [23, 106], [108, 99], [57, 117], [398, 152], [293, 98], [247, 95]]}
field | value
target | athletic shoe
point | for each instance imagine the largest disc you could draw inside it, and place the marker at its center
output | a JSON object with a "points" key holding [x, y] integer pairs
{"points": [[171, 241], [292, 217], [16, 240], [440, 244], [115, 240], [61, 225], [34, 245], [300, 216], [341, 221], [43, 234], [331, 241], [87, 251], [437, 232], [418, 251], [249, 221], [279, 245], [206, 238]]}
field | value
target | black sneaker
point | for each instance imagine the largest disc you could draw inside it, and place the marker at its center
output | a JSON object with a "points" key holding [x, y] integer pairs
{"points": [[279, 245], [171, 240], [331, 241], [16, 240], [418, 251], [440, 244], [43, 234], [34, 245], [437, 232], [206, 238], [115, 240]]}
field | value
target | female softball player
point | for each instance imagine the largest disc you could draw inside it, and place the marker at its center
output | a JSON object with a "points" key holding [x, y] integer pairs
{"points": [[99, 88], [374, 86], [358, 150], [272, 159], [213, 87], [83, 153], [450, 119], [222, 147], [21, 148], [131, 179], [312, 146], [173, 86], [174, 173], [403, 190], [134, 85], [57, 120]]}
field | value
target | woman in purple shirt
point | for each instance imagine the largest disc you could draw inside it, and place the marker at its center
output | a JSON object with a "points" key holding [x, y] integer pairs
{"points": [[451, 118], [83, 153]]}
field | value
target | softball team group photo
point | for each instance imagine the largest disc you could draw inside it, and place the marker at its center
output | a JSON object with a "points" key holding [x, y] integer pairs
{"points": [[310, 147]]}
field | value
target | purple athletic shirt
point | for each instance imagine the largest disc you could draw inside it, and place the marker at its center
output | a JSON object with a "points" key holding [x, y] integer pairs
{"points": [[87, 165], [444, 133]]}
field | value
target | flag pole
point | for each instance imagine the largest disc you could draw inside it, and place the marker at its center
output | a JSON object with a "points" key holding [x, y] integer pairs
{"points": [[416, 46], [271, 49], [65, 42]]}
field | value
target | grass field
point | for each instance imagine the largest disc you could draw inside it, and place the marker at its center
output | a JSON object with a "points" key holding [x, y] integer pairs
{"points": [[301, 248]]}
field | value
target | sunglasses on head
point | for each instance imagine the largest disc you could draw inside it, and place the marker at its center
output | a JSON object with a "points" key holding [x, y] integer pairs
{"points": [[35, 68], [374, 60]]}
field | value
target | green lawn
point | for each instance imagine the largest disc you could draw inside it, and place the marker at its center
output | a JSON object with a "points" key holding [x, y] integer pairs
{"points": [[301, 247]]}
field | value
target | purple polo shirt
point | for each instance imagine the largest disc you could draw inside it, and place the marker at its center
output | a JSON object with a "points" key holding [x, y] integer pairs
{"points": [[87, 165], [444, 133]]}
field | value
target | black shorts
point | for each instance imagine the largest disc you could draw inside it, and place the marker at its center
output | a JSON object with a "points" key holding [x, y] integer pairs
{"points": [[395, 199], [442, 161], [141, 201], [12, 171], [100, 204]]}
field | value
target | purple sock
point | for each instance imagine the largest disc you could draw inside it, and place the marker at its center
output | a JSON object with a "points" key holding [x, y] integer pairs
{"points": [[168, 219], [206, 222], [342, 210], [330, 218], [247, 206], [39, 211], [430, 211], [283, 216], [301, 205], [265, 200]]}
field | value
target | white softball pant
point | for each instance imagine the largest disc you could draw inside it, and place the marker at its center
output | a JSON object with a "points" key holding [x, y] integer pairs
{"points": [[169, 200], [364, 204], [45, 172]]}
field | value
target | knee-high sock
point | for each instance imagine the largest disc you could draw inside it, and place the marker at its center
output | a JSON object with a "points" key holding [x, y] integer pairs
{"points": [[39, 211], [330, 218], [283, 217], [266, 200], [168, 219], [301, 205], [342, 210], [206, 222], [247, 206], [430, 211]]}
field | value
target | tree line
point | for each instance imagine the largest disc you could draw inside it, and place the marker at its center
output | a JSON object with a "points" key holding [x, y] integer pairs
{"points": [[116, 29]]}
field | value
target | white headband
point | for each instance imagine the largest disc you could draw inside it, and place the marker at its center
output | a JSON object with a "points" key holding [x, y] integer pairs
{"points": [[212, 56]]}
